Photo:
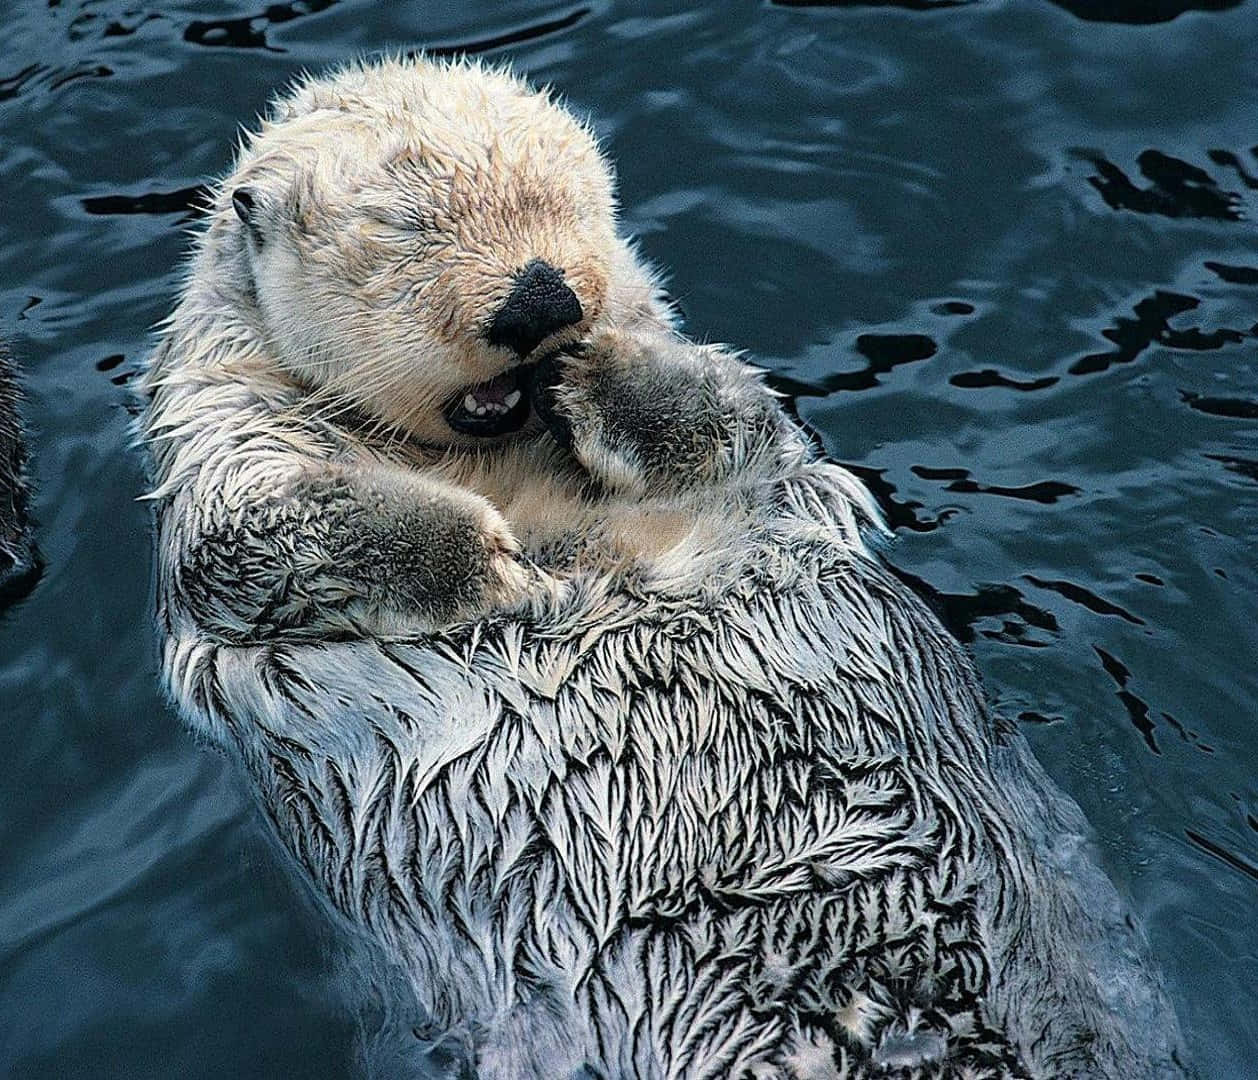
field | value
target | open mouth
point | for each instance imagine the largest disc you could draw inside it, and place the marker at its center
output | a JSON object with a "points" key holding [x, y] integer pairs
{"points": [[497, 407]]}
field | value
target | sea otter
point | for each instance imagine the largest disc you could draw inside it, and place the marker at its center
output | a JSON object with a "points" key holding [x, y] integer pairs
{"points": [[559, 661], [17, 553]]}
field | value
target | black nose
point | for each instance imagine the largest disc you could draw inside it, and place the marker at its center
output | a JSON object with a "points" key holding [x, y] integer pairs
{"points": [[540, 303]]}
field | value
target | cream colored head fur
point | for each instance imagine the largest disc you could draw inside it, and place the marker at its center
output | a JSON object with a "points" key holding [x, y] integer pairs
{"points": [[391, 207]]}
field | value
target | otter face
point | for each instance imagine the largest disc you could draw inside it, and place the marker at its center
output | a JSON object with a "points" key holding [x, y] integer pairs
{"points": [[416, 234]]}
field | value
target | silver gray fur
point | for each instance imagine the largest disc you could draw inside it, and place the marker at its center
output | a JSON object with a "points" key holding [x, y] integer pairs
{"points": [[735, 811], [684, 835]]}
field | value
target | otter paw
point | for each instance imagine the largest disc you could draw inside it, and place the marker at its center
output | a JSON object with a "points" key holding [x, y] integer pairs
{"points": [[507, 580], [406, 544], [468, 560], [598, 400], [646, 410], [544, 390]]}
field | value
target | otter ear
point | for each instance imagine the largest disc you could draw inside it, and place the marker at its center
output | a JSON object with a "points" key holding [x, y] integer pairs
{"points": [[247, 209]]}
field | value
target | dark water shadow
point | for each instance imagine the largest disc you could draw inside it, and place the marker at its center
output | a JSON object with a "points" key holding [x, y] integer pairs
{"points": [[192, 201], [1126, 12], [1221, 853], [910, 5], [1085, 598], [1139, 12], [989, 377], [34, 75], [1136, 708], [249, 31], [1151, 326], [513, 37], [1044, 492], [1226, 407], [962, 613], [1176, 188], [1233, 275], [94, 25], [1232, 161], [1240, 466], [884, 353], [898, 513]]}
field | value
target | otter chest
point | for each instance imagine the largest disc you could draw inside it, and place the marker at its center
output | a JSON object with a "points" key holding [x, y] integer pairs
{"points": [[566, 525]]}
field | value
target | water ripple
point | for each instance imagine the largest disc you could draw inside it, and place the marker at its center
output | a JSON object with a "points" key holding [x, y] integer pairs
{"points": [[1040, 359]]}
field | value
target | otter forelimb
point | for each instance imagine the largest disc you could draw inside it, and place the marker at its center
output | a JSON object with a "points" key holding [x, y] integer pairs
{"points": [[335, 544], [651, 414]]}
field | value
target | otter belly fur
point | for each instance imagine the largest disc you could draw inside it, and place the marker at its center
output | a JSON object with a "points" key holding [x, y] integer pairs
{"points": [[596, 716]]}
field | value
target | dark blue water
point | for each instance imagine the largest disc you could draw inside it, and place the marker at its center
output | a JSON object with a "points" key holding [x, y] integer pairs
{"points": [[1002, 252]]}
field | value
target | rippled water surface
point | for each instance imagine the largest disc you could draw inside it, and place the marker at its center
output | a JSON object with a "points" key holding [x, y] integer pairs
{"points": [[1003, 255]]}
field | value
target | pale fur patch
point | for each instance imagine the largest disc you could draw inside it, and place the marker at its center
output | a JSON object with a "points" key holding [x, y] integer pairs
{"points": [[394, 203]]}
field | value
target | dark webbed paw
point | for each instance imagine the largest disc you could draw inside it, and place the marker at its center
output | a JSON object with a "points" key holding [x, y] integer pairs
{"points": [[544, 390], [648, 410], [343, 546]]}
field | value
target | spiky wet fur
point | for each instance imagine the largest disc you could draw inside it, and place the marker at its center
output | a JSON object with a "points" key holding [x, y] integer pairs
{"points": [[630, 759], [17, 557]]}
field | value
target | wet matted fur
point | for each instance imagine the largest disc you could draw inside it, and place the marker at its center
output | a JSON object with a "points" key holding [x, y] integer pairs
{"points": [[18, 566], [612, 737]]}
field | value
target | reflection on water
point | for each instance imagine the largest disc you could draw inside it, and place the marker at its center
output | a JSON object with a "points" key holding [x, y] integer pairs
{"points": [[1000, 254]]}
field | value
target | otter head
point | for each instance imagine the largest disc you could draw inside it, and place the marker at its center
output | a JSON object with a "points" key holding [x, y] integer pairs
{"points": [[414, 235]]}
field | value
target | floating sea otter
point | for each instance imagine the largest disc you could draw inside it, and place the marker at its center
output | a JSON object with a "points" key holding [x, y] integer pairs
{"points": [[557, 659]]}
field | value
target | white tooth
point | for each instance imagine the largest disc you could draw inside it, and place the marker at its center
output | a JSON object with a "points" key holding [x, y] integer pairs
{"points": [[469, 403], [513, 399]]}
